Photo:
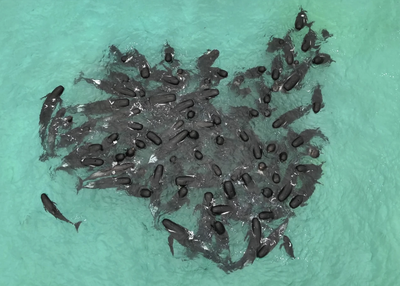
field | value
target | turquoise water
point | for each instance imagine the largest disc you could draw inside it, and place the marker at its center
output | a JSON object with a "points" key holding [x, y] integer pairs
{"points": [[347, 235]]}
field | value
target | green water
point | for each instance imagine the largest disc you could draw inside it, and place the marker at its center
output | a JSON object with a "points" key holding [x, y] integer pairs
{"points": [[346, 235]]}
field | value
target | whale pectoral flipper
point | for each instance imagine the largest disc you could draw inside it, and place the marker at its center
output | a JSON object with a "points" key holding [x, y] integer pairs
{"points": [[171, 244]]}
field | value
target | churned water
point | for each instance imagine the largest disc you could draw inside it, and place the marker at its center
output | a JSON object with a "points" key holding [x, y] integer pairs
{"points": [[346, 235]]}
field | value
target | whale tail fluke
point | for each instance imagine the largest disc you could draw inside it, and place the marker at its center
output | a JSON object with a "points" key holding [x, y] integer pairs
{"points": [[44, 157], [81, 74], [79, 185], [77, 225], [310, 24]]}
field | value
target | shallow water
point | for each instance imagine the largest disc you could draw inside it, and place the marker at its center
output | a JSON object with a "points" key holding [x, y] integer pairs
{"points": [[346, 235]]}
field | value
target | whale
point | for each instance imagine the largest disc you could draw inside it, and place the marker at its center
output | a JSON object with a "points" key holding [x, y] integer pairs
{"points": [[221, 239], [322, 58], [301, 20], [207, 218], [316, 99], [107, 183], [186, 238], [178, 200], [290, 116], [169, 53], [52, 100], [309, 41], [77, 134], [156, 185], [272, 240], [115, 171], [57, 122], [276, 67], [118, 84], [134, 59], [205, 61], [50, 207], [294, 79], [254, 235], [287, 244]]}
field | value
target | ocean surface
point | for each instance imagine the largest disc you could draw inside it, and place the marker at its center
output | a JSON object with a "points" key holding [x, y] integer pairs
{"points": [[347, 234]]}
